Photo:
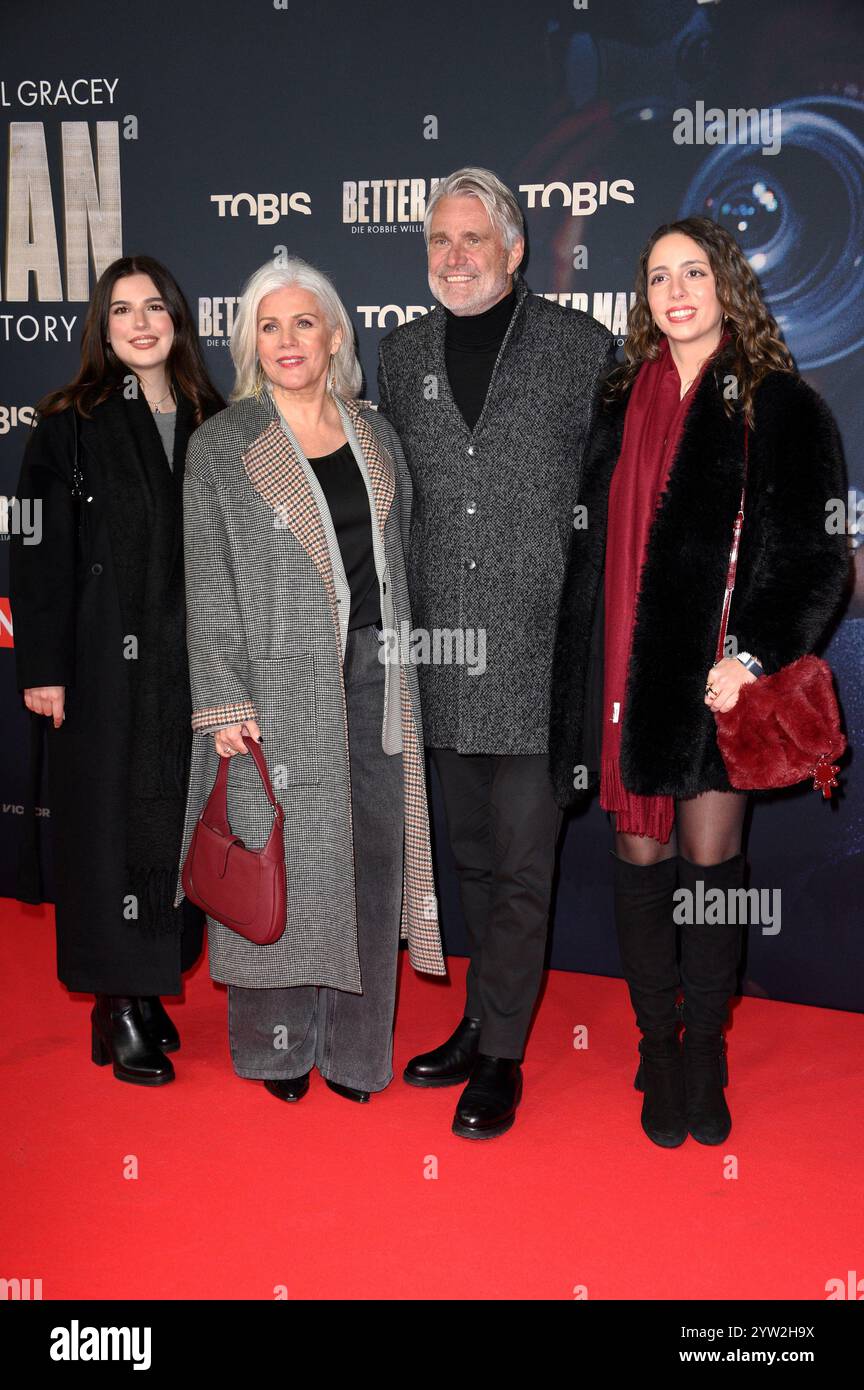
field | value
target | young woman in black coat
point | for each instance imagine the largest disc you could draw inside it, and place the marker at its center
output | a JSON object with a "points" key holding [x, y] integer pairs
{"points": [[99, 619], [635, 686]]}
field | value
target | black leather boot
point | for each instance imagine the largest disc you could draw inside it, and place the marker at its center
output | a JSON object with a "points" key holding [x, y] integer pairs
{"points": [[293, 1088], [349, 1092], [157, 1024], [646, 942], [118, 1036], [487, 1106], [450, 1063], [710, 955]]}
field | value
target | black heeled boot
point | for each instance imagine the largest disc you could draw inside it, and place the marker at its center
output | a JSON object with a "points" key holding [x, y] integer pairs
{"points": [[710, 955], [450, 1063], [118, 1036], [646, 942], [157, 1024]]}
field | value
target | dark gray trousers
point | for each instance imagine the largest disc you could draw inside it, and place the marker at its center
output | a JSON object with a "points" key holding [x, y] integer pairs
{"points": [[503, 824], [349, 1037]]}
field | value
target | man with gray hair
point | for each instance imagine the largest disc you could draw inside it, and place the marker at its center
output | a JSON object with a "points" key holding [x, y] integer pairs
{"points": [[492, 396]]}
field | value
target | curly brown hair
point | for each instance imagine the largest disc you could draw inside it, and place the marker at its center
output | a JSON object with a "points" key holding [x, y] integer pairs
{"points": [[756, 346]]}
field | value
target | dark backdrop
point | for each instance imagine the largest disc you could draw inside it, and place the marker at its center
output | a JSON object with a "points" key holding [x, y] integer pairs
{"points": [[133, 128]]}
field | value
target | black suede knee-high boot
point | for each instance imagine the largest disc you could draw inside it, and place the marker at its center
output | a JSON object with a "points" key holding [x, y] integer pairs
{"points": [[646, 942], [710, 954]]}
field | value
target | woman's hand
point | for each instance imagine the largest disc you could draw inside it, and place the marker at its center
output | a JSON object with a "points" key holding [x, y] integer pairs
{"points": [[48, 700], [230, 741], [723, 683]]}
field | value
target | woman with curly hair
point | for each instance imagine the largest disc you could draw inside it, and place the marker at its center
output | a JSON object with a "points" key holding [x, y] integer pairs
{"points": [[706, 383]]}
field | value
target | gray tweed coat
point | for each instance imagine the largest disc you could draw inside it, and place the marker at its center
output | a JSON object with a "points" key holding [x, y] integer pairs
{"points": [[264, 642], [493, 511]]}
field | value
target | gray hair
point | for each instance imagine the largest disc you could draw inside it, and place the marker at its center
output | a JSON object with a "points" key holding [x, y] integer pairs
{"points": [[504, 212], [348, 376]]}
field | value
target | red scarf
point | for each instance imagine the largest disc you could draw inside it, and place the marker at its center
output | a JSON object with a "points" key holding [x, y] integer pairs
{"points": [[652, 430]]}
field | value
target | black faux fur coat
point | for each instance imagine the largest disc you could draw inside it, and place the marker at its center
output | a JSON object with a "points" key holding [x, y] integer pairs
{"points": [[791, 579]]}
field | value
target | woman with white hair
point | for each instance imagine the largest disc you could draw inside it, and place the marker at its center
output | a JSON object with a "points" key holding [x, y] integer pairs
{"points": [[297, 501]]}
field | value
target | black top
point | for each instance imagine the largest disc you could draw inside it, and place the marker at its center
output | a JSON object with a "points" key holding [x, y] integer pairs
{"points": [[343, 486], [471, 346]]}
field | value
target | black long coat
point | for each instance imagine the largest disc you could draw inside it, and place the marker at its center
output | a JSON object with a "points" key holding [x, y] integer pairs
{"points": [[67, 614], [790, 582]]}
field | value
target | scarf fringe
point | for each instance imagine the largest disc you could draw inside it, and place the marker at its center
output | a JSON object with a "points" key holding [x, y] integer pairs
{"points": [[154, 891], [174, 762], [635, 814]]}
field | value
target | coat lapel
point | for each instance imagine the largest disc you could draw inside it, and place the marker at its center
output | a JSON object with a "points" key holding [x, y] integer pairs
{"points": [[276, 473], [437, 329], [379, 465], [274, 469], [141, 494]]}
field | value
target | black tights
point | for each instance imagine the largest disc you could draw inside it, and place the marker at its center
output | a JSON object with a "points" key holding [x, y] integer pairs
{"points": [[707, 831]]}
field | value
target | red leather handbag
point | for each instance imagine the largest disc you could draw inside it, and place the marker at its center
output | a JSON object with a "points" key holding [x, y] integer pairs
{"points": [[244, 889], [784, 727]]}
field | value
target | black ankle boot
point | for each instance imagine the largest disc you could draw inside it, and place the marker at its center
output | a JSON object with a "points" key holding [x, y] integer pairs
{"points": [[710, 955], [293, 1088], [646, 942], [157, 1024], [661, 1079], [450, 1063], [349, 1092], [118, 1036]]}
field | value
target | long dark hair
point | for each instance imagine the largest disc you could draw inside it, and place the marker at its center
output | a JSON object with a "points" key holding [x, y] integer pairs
{"points": [[101, 372], [756, 346]]}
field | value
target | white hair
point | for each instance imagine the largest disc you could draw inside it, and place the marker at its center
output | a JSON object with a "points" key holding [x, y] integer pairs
{"points": [[267, 278], [504, 212]]}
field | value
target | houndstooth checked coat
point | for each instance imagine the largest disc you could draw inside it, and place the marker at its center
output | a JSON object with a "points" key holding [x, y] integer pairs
{"points": [[264, 643]]}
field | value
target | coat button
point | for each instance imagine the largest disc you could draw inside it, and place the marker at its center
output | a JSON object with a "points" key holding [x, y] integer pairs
{"points": [[95, 569], [471, 508], [470, 564]]}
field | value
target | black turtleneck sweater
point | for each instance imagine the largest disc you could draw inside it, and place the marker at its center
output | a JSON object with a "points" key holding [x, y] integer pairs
{"points": [[471, 346]]}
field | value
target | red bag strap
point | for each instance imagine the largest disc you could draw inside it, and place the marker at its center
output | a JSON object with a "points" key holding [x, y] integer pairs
{"points": [[215, 813], [733, 557]]}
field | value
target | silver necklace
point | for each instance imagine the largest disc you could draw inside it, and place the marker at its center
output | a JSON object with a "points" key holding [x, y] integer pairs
{"points": [[155, 406]]}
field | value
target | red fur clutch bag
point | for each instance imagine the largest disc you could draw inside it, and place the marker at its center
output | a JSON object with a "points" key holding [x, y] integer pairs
{"points": [[784, 728]]}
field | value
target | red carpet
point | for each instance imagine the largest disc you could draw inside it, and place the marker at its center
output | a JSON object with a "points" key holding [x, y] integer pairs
{"points": [[238, 1193]]}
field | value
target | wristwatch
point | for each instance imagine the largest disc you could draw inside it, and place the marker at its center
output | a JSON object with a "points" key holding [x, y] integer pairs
{"points": [[751, 662]]}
